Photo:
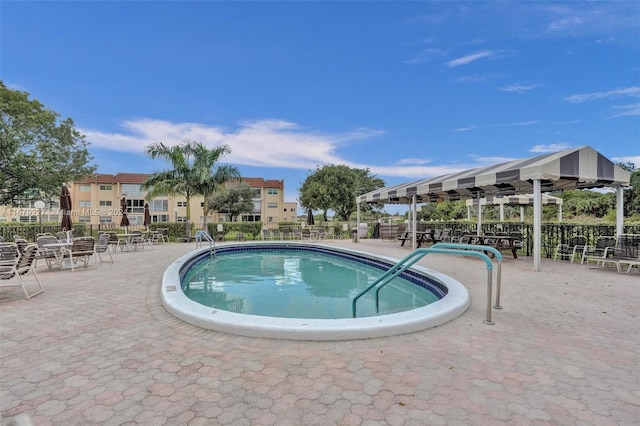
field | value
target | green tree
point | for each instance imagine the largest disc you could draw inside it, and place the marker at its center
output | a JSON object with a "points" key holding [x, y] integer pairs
{"points": [[38, 151], [632, 194], [194, 171], [335, 187], [234, 201]]}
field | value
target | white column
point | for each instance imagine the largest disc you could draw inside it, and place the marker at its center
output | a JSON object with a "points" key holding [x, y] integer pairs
{"points": [[479, 225], [501, 212], [521, 213], [619, 210], [414, 241], [559, 213], [357, 223], [537, 228]]}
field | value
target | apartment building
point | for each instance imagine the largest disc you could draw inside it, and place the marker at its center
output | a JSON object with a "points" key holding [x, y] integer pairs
{"points": [[96, 200]]}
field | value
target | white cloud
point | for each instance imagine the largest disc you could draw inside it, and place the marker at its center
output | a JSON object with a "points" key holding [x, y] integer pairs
{"points": [[554, 147], [517, 123], [634, 159], [470, 58], [260, 143], [418, 161], [518, 88], [633, 91], [626, 110]]}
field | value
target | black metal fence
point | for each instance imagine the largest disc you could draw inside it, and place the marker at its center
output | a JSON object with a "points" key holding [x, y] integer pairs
{"points": [[552, 233]]}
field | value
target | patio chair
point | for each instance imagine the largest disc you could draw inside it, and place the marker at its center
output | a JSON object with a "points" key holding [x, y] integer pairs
{"points": [[165, 234], [275, 234], [83, 249], [626, 252], [568, 251], [136, 240], [20, 242], [266, 234], [50, 255], [599, 248], [331, 233], [286, 233], [12, 266], [296, 234], [102, 247]]}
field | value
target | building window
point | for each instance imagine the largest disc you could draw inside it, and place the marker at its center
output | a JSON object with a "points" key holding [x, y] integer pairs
{"points": [[28, 218], [132, 190], [105, 203], [272, 205], [256, 193], [85, 188], [159, 218], [106, 187], [272, 191], [105, 219], [135, 206], [181, 204], [270, 219], [159, 206], [84, 219], [84, 203], [182, 219]]}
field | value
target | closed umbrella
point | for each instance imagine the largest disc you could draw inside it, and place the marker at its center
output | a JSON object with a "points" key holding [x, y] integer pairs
{"points": [[124, 222], [65, 206], [147, 215], [310, 220]]}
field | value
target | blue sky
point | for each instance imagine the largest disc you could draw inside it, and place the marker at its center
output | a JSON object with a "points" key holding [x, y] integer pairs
{"points": [[407, 89]]}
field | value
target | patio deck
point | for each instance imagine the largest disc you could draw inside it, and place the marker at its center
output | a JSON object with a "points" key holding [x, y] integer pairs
{"points": [[98, 348]]}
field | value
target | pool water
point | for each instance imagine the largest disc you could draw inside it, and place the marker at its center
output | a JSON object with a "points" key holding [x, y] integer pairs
{"points": [[296, 284]]}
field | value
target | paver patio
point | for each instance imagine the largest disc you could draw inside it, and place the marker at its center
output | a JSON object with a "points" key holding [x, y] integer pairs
{"points": [[98, 348]]}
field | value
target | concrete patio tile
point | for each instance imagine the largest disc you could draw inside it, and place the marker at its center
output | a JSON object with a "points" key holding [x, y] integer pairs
{"points": [[98, 348]]}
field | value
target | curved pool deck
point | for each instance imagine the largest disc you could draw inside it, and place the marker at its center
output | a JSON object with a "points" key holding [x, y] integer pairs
{"points": [[97, 347], [446, 309]]}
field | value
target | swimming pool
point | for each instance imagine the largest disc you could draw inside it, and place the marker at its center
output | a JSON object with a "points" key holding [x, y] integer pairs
{"points": [[454, 301], [300, 282]]}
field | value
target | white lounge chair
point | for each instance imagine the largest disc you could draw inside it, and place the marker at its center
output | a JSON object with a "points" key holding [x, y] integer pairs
{"points": [[17, 266]]}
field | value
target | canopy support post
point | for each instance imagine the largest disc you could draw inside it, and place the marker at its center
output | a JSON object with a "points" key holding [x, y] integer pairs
{"points": [[357, 237], [537, 219], [413, 222], [619, 210], [479, 225]]}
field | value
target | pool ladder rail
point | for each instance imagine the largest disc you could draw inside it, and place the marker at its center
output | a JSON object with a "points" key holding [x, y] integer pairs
{"points": [[202, 237], [472, 250]]}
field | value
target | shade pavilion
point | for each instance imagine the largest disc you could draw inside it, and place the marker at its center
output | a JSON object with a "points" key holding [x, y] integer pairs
{"points": [[575, 168]]}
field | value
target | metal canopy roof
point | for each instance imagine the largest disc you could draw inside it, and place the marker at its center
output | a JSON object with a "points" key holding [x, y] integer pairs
{"points": [[575, 168]]}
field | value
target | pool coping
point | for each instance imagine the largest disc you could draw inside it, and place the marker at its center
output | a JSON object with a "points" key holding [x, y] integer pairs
{"points": [[456, 302]]}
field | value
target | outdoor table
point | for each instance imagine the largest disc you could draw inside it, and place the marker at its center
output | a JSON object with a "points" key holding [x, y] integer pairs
{"points": [[127, 240], [60, 260], [497, 242]]}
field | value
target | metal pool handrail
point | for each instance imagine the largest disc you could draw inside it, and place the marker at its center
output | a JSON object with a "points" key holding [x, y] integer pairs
{"points": [[415, 256], [201, 236], [481, 248]]}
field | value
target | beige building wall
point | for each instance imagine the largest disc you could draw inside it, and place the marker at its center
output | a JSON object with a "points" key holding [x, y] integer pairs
{"points": [[96, 201]]}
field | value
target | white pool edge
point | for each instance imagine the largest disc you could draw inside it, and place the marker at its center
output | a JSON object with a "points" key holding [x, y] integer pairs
{"points": [[456, 302]]}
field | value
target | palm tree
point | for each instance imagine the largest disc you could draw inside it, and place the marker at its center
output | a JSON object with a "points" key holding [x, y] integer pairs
{"points": [[194, 171]]}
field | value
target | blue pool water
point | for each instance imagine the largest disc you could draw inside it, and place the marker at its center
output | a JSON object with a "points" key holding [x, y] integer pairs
{"points": [[299, 282]]}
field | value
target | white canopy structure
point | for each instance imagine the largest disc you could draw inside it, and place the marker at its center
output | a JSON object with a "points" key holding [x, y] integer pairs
{"points": [[575, 168], [520, 199]]}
